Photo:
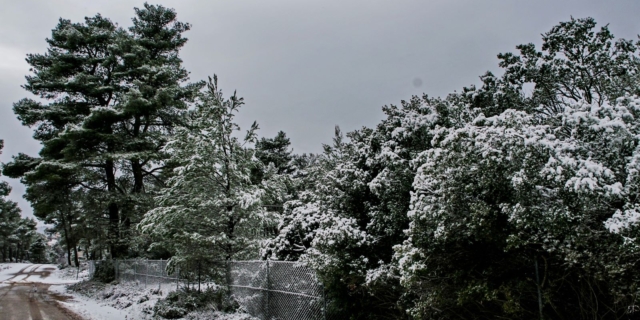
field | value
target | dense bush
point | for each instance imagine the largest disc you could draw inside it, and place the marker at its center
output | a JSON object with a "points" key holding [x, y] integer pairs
{"points": [[494, 202], [105, 271], [178, 303]]}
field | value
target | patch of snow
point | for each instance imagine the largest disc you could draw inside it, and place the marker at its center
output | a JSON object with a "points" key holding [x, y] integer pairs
{"points": [[8, 270], [98, 301], [89, 308]]}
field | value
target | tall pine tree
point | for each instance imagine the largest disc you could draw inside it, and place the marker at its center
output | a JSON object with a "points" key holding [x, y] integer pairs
{"points": [[113, 97]]}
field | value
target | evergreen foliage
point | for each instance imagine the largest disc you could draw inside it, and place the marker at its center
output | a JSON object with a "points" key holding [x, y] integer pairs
{"points": [[17, 234], [275, 150], [211, 210], [112, 99], [528, 205], [516, 199]]}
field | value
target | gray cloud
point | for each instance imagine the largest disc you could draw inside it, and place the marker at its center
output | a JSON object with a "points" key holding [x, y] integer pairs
{"points": [[305, 66]]}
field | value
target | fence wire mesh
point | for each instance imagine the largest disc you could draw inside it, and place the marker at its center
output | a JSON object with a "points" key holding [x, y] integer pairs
{"points": [[91, 268], [271, 290], [276, 289], [149, 273]]}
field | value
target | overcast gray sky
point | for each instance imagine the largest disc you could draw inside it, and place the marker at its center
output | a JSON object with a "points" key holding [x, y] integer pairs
{"points": [[305, 66]]}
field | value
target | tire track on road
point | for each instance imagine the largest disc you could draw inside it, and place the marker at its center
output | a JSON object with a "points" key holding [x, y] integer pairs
{"points": [[31, 271], [17, 273], [31, 299]]}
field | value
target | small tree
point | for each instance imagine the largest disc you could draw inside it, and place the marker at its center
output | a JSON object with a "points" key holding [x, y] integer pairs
{"points": [[210, 210], [38, 249]]}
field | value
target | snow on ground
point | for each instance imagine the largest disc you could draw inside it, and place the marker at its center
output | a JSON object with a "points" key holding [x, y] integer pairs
{"points": [[97, 301], [89, 308], [206, 315], [7, 270], [118, 301], [128, 301], [60, 279], [74, 273], [40, 273]]}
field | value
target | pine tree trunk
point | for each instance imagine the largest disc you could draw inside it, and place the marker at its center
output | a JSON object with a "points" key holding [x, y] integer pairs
{"points": [[75, 252], [136, 165], [67, 238], [138, 183], [114, 212], [69, 256]]}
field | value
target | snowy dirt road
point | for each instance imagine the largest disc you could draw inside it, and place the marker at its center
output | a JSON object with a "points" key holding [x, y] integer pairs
{"points": [[24, 293]]}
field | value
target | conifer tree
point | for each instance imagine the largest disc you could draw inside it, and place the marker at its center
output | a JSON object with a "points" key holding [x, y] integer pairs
{"points": [[211, 210], [113, 97], [16, 233]]}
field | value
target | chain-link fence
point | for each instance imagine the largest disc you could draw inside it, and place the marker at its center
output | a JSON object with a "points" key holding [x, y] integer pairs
{"points": [[148, 273], [91, 268], [265, 289], [276, 289]]}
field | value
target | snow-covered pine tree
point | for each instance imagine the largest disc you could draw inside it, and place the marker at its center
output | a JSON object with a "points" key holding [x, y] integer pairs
{"points": [[16, 233], [275, 158], [111, 97], [211, 211], [275, 150], [576, 63]]}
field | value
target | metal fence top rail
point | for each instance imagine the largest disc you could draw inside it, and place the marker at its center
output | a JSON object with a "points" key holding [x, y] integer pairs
{"points": [[302, 264], [276, 261]]}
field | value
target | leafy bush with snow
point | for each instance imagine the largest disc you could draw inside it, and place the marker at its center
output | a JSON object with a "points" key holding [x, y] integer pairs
{"points": [[105, 271], [179, 303]]}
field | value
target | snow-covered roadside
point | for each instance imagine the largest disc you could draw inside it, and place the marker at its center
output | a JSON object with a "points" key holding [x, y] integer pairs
{"points": [[8, 270], [98, 301], [59, 281], [20, 273], [94, 300], [117, 301], [89, 308]]}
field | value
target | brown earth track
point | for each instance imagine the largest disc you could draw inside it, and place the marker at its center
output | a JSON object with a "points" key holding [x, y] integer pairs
{"points": [[32, 300]]}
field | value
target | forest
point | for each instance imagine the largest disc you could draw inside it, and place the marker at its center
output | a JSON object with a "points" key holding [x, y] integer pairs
{"points": [[516, 198]]}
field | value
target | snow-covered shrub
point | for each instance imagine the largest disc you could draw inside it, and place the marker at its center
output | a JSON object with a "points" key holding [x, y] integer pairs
{"points": [[491, 185], [346, 224], [514, 194], [179, 303], [105, 271]]}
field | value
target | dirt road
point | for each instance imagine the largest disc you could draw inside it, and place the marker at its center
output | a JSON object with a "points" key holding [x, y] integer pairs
{"points": [[24, 296]]}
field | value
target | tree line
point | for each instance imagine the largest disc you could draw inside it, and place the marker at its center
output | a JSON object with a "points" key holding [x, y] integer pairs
{"points": [[513, 199], [19, 239]]}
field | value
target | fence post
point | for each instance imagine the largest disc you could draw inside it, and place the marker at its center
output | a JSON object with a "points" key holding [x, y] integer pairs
{"points": [[228, 276], [161, 275], [538, 284], [268, 288], [324, 302], [177, 271], [146, 273], [135, 271]]}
